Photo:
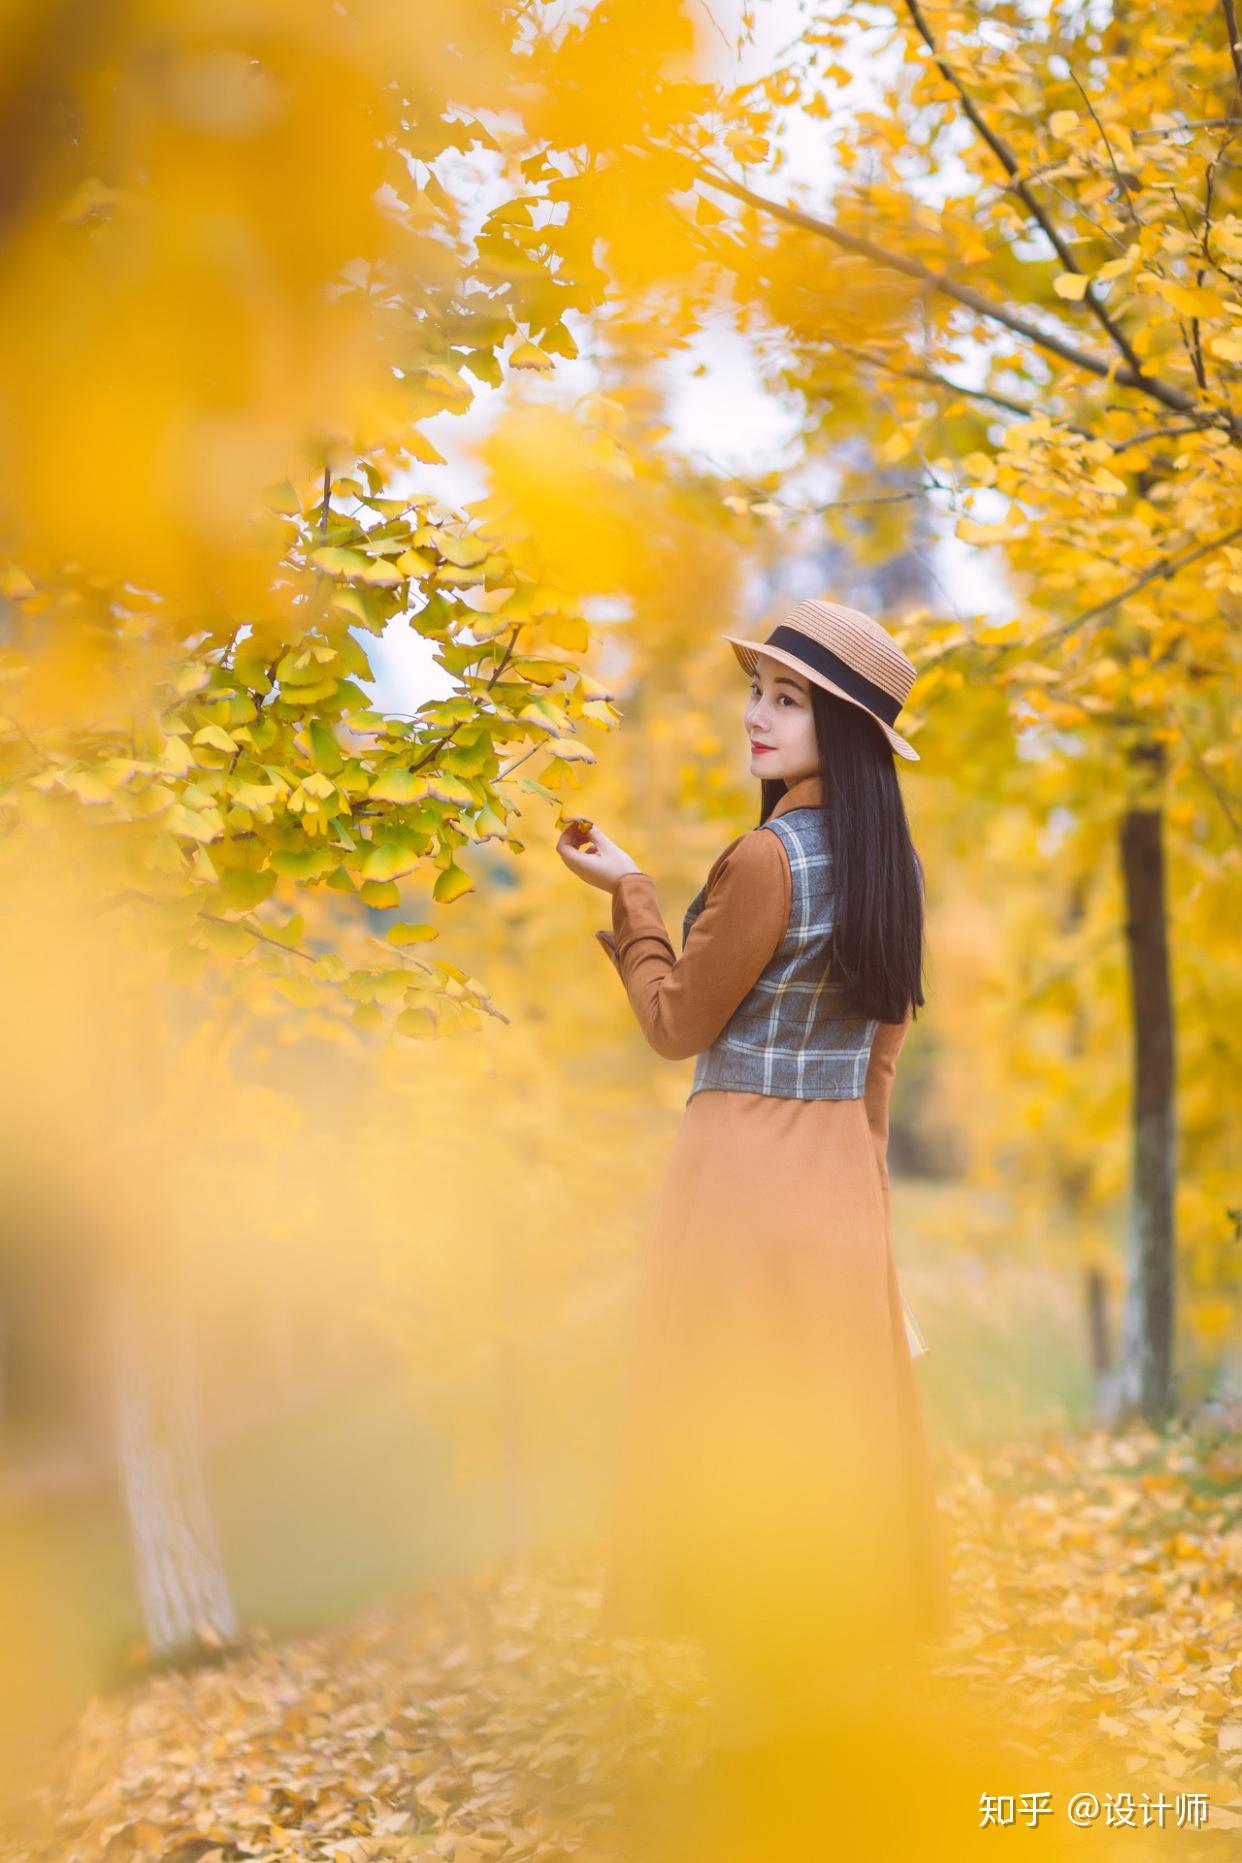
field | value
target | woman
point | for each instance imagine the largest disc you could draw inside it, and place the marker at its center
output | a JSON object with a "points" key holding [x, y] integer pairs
{"points": [[774, 1497]]}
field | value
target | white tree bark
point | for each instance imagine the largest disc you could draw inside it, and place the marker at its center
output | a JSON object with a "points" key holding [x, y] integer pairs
{"points": [[180, 1574]]}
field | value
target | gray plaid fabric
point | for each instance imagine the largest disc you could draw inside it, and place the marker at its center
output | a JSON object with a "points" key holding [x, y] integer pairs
{"points": [[789, 1036]]}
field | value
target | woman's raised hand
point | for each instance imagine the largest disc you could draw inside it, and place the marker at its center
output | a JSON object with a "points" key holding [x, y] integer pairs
{"points": [[588, 852]]}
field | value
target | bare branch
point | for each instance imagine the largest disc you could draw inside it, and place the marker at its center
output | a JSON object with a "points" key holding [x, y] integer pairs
{"points": [[248, 925], [849, 504], [518, 761], [1154, 433], [884, 498], [1181, 129], [1210, 780], [942, 381], [1117, 174]]}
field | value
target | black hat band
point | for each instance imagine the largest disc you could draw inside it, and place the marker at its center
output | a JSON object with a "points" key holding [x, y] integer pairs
{"points": [[875, 698]]}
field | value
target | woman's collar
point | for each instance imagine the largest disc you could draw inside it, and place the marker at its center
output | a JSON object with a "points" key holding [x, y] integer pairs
{"points": [[807, 792]]}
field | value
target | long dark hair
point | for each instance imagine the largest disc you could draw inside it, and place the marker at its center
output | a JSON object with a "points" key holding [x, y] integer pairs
{"points": [[875, 872]]}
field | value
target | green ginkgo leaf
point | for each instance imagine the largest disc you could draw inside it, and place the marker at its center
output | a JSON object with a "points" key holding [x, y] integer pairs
{"points": [[242, 888], [398, 784], [324, 747], [304, 863], [418, 1023]]}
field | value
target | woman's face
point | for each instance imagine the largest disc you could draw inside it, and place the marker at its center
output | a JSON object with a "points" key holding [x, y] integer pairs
{"points": [[778, 715]]}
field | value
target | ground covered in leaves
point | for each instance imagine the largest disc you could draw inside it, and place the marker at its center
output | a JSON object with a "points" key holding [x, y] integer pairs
{"points": [[1097, 1590]]}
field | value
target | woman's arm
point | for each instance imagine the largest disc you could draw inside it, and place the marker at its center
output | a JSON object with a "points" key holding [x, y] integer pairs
{"points": [[682, 1003]]}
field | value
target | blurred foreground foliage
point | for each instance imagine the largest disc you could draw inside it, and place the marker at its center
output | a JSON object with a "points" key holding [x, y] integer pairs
{"points": [[1096, 1619]]}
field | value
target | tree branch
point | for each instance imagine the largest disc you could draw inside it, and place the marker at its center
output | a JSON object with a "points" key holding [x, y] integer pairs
{"points": [[47, 49], [247, 925], [1118, 177], [1182, 129], [1210, 780], [942, 381], [1231, 33], [1165, 392], [1010, 164], [848, 504], [1161, 571]]}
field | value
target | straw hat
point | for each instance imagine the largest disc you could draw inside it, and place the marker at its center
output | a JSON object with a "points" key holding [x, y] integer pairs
{"points": [[844, 651]]}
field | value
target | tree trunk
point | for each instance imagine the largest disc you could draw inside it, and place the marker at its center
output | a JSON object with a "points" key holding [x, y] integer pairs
{"points": [[1103, 1370], [181, 1583], [1146, 1371], [515, 1496]]}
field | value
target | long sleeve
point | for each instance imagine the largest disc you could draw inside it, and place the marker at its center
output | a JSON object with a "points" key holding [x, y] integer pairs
{"points": [[682, 1003], [887, 1045]]}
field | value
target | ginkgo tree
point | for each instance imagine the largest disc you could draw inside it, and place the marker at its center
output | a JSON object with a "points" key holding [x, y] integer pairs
{"points": [[266, 251], [247, 259], [219, 707]]}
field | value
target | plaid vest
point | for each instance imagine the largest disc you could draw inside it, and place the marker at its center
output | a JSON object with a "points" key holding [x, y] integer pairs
{"points": [[789, 1036]]}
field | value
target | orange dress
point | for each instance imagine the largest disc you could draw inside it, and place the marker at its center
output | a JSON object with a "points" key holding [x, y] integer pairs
{"points": [[773, 1488]]}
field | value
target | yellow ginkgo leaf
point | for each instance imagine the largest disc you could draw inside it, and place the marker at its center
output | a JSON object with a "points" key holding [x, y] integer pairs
{"points": [[381, 894], [1191, 300], [452, 884], [402, 934], [995, 632], [213, 737], [383, 575], [971, 532], [897, 446], [422, 450], [15, 584], [416, 1022], [338, 562], [414, 563], [388, 861], [1071, 285]]}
